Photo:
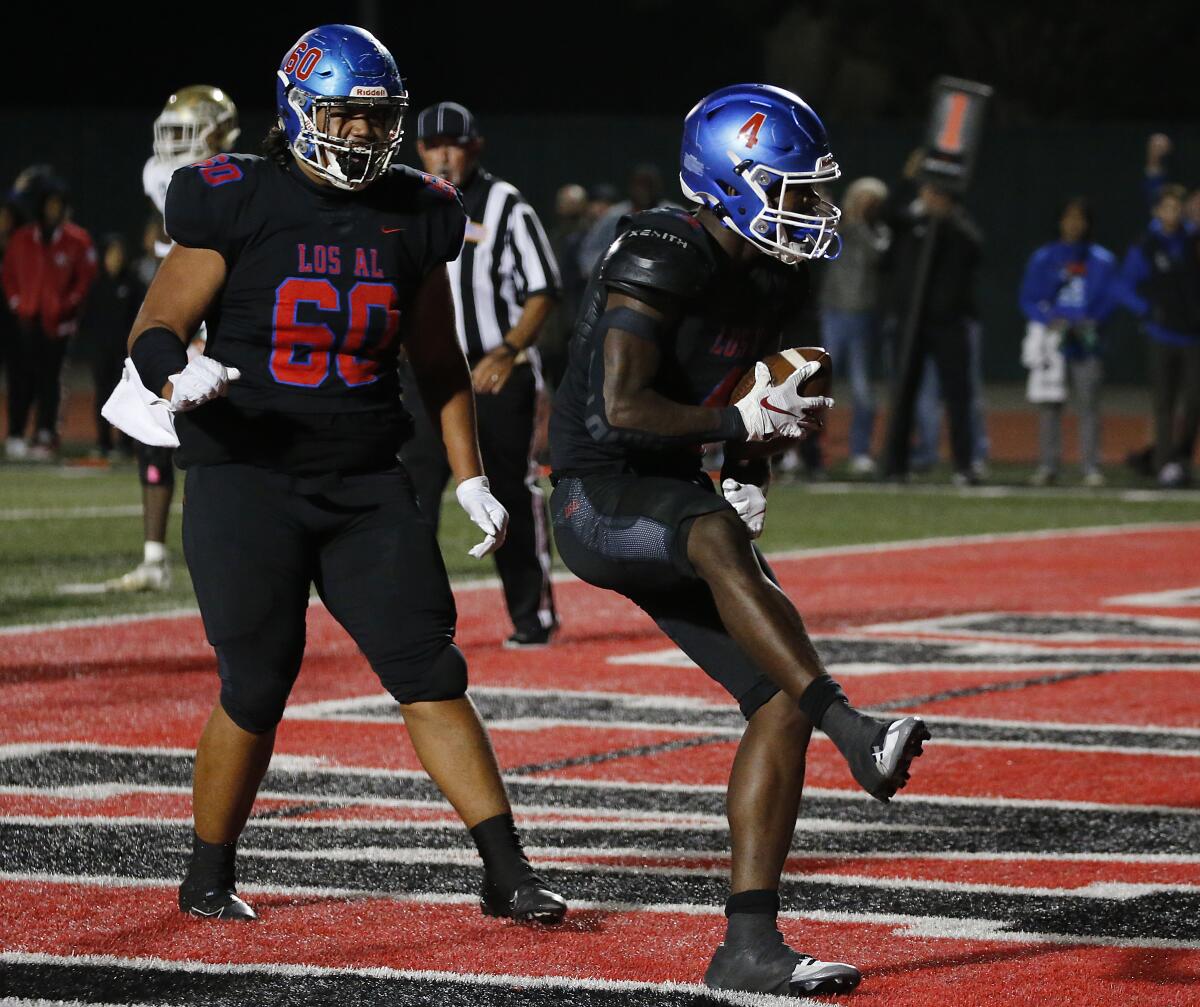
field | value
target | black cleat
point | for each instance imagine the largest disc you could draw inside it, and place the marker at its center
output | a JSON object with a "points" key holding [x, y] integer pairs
{"points": [[892, 753], [219, 903], [530, 902], [771, 966], [530, 639]]}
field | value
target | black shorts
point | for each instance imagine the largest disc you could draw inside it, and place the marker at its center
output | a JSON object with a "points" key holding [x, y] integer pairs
{"points": [[629, 533], [255, 542]]}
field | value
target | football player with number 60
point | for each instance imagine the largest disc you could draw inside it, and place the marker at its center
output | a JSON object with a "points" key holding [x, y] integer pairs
{"points": [[312, 265]]}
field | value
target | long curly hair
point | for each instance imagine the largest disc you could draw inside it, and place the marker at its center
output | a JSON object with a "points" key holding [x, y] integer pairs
{"points": [[275, 146]]}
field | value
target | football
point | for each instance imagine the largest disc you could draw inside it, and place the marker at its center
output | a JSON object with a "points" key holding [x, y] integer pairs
{"points": [[783, 363]]}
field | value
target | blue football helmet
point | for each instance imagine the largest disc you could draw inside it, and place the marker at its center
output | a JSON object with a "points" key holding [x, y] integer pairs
{"points": [[337, 66], [744, 146]]}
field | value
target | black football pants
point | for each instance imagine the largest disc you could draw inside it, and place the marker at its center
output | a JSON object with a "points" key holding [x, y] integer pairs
{"points": [[1175, 380], [629, 534], [34, 376], [506, 421], [255, 542]]}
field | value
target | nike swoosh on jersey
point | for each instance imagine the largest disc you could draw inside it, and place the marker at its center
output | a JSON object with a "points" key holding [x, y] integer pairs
{"points": [[391, 230]]}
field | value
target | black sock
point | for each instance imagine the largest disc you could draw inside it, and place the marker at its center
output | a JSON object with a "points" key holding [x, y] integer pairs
{"points": [[750, 915], [824, 703], [212, 864], [500, 847]]}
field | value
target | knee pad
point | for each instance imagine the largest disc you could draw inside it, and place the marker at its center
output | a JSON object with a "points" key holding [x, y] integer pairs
{"points": [[442, 678], [156, 466], [255, 685]]}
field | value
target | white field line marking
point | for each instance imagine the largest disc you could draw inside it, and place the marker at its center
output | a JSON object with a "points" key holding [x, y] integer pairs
{"points": [[502, 980], [958, 626], [999, 492], [689, 853], [463, 585], [535, 724], [1056, 660], [348, 707], [585, 818], [580, 785], [74, 513], [546, 857], [904, 925], [464, 855], [1184, 597]]}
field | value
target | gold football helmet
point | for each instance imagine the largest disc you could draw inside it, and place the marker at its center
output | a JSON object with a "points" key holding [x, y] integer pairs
{"points": [[195, 123]]}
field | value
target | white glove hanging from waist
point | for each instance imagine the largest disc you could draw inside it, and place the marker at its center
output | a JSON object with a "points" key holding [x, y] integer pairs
{"points": [[475, 497]]}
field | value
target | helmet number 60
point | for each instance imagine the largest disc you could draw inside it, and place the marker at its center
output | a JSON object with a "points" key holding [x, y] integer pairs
{"points": [[306, 58]]}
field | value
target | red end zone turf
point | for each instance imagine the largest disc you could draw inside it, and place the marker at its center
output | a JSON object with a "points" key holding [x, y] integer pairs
{"points": [[1046, 850]]}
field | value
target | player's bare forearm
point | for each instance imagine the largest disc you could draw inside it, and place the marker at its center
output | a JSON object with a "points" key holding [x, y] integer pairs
{"points": [[630, 365], [442, 373], [186, 283], [525, 333], [179, 297]]}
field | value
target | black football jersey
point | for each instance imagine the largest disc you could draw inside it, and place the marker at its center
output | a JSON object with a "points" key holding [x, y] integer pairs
{"points": [[727, 316], [317, 282]]}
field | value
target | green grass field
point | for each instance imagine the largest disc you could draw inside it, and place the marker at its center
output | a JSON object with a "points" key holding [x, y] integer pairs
{"points": [[65, 525]]}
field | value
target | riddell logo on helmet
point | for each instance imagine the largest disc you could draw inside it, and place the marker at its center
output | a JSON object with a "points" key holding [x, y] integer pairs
{"points": [[359, 91]]}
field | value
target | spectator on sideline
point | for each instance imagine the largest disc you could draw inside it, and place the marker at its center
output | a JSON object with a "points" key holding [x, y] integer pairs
{"points": [[112, 306], [1067, 292], [645, 192], [849, 301], [48, 267], [1160, 283], [942, 326], [571, 224]]}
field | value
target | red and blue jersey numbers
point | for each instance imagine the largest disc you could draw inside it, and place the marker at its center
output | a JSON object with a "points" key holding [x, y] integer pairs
{"points": [[219, 170], [303, 61], [318, 336]]}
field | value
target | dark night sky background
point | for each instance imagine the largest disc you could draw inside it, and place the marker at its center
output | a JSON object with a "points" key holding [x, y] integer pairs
{"points": [[1050, 60], [583, 91]]}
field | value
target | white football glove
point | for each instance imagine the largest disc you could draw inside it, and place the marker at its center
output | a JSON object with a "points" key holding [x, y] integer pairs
{"points": [[475, 496], [202, 380], [749, 501], [769, 410]]}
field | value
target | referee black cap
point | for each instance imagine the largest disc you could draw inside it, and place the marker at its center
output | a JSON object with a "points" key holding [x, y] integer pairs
{"points": [[447, 118]]}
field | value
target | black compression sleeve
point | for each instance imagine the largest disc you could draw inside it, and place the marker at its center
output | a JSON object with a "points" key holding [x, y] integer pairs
{"points": [[157, 354]]}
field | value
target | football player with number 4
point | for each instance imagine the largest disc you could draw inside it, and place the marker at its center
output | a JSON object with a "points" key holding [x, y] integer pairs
{"points": [[312, 265], [680, 307]]}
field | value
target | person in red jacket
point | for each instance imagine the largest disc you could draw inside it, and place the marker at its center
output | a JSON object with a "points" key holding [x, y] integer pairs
{"points": [[48, 267]]}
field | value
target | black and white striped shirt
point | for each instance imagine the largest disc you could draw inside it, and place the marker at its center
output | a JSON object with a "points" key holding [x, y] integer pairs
{"points": [[506, 259]]}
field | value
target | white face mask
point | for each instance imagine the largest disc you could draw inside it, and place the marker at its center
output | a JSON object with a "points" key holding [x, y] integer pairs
{"points": [[788, 235], [346, 163]]}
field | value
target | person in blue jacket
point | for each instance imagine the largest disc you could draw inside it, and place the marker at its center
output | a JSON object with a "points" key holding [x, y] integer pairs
{"points": [[1160, 283], [1067, 292]]}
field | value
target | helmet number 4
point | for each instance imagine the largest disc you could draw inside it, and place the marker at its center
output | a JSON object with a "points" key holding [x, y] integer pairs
{"points": [[748, 134], [303, 352]]}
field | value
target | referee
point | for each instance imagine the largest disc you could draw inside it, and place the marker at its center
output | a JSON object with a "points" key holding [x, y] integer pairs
{"points": [[505, 283]]}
